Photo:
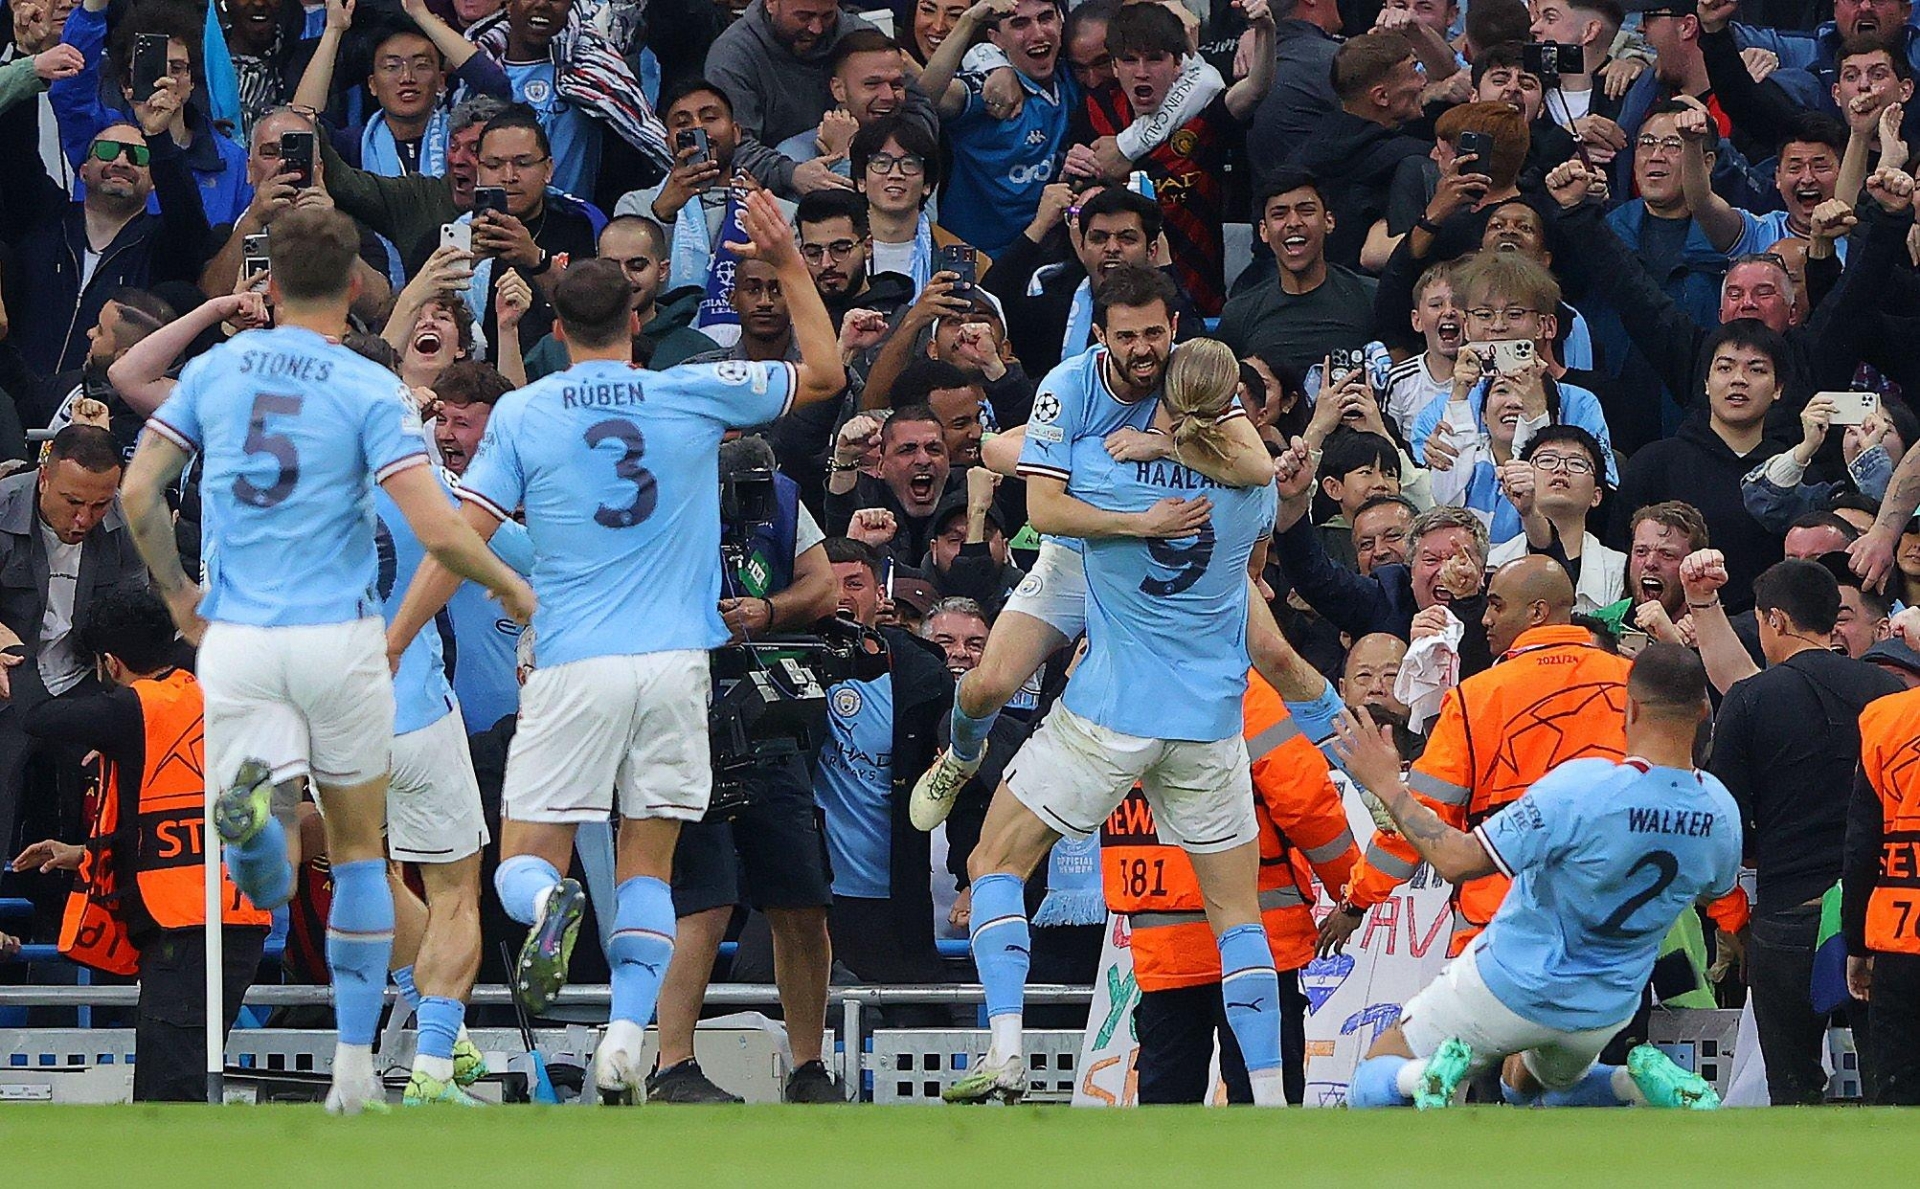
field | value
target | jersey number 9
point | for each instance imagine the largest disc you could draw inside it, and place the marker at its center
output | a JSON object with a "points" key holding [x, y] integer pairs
{"points": [[1188, 562]]}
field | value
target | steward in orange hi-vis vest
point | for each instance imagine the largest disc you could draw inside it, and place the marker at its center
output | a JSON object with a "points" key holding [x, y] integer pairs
{"points": [[1880, 893], [1176, 962], [145, 856]]}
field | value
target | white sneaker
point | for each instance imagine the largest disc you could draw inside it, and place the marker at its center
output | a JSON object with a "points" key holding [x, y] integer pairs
{"points": [[352, 1095], [938, 786], [616, 1076]]}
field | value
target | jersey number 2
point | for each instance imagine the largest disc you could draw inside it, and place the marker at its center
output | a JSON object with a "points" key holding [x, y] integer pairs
{"points": [[1666, 869], [279, 446], [646, 493], [1188, 562]]}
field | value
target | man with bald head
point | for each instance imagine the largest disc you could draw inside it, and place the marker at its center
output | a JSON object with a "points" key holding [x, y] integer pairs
{"points": [[1526, 593], [1367, 678], [1553, 696]]}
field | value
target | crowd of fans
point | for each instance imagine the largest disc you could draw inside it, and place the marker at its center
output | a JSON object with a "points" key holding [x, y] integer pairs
{"points": [[1638, 301]]}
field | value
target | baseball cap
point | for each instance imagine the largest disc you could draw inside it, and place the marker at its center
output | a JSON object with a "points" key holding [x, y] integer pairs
{"points": [[1893, 653], [912, 590], [956, 501]]}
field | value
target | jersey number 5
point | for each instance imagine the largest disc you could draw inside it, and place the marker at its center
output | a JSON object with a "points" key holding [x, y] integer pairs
{"points": [[646, 493], [279, 446], [1666, 868], [1188, 562]]}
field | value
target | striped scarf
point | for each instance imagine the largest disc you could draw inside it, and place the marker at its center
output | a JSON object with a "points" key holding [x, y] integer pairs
{"points": [[590, 72]]}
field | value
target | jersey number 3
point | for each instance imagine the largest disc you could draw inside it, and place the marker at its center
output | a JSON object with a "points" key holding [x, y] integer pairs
{"points": [[277, 445], [646, 493]]}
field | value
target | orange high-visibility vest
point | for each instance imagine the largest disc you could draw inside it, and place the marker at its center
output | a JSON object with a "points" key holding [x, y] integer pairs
{"points": [[1553, 697], [160, 844], [1890, 759], [1303, 828]]}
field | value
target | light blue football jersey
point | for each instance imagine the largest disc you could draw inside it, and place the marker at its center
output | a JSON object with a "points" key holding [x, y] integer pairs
{"points": [[1604, 858], [486, 639], [293, 432], [1074, 402], [1166, 619], [422, 695], [618, 470]]}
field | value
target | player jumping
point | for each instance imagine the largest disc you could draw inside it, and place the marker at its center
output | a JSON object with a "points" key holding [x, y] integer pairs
{"points": [[1157, 700], [618, 472], [1604, 857], [290, 426]]}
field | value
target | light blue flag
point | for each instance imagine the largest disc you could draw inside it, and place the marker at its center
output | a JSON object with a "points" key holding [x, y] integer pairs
{"points": [[223, 85]]}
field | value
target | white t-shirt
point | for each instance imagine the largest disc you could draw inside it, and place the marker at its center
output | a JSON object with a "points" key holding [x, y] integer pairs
{"points": [[892, 258], [60, 666], [1411, 388]]}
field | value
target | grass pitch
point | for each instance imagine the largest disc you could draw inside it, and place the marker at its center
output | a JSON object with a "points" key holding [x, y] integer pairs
{"points": [[923, 1147]]}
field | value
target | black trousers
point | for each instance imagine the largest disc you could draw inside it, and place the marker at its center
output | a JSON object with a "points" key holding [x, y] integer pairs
{"points": [[1177, 1030], [169, 1028], [1780, 947], [1895, 1030]]}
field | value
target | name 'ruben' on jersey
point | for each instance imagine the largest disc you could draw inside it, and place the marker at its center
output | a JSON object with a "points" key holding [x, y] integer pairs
{"points": [[293, 431], [618, 470], [1604, 857], [1166, 619]]}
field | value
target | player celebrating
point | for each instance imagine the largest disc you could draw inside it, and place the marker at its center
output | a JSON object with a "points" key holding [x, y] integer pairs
{"points": [[1166, 616], [290, 426], [1604, 857], [1107, 392], [618, 472]]}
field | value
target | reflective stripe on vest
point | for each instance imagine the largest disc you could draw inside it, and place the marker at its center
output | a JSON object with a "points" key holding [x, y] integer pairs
{"points": [[1387, 863], [1270, 899], [1890, 759], [1264, 742], [1435, 789]]}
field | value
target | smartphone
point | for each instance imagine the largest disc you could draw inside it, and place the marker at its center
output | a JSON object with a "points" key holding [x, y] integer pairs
{"points": [[962, 260], [1633, 643], [1853, 408], [1509, 357], [489, 198], [149, 64], [253, 254], [296, 157], [1551, 59], [693, 138], [457, 235], [1480, 144], [1345, 362]]}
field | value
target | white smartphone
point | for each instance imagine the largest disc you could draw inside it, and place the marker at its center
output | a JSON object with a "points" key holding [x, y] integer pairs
{"points": [[1852, 408], [457, 235], [1509, 356], [1459, 419]]}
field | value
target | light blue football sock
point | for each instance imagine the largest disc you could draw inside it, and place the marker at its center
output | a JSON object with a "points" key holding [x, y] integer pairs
{"points": [[359, 945]]}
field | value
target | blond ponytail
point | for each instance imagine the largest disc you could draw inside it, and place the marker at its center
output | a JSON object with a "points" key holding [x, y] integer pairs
{"points": [[1200, 384]]}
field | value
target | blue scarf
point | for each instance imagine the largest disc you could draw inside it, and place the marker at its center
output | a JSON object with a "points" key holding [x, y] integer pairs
{"points": [[716, 317], [1079, 322], [922, 255], [1074, 893], [380, 152]]}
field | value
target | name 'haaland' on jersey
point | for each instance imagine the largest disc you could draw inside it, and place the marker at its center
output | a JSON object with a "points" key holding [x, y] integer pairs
{"points": [[1161, 473]]}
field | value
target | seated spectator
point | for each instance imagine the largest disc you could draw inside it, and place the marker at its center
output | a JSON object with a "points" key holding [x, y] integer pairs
{"points": [[218, 164], [1778, 491], [665, 338], [50, 308], [868, 81], [1355, 151], [577, 83], [1555, 485], [1312, 307], [1703, 463], [1049, 306], [896, 164], [410, 130], [1148, 43]]}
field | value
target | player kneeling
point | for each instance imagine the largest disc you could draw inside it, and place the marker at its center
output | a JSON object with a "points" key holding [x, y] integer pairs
{"points": [[1604, 857]]}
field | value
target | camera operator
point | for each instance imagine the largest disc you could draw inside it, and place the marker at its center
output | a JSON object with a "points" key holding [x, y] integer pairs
{"points": [[770, 855]]}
